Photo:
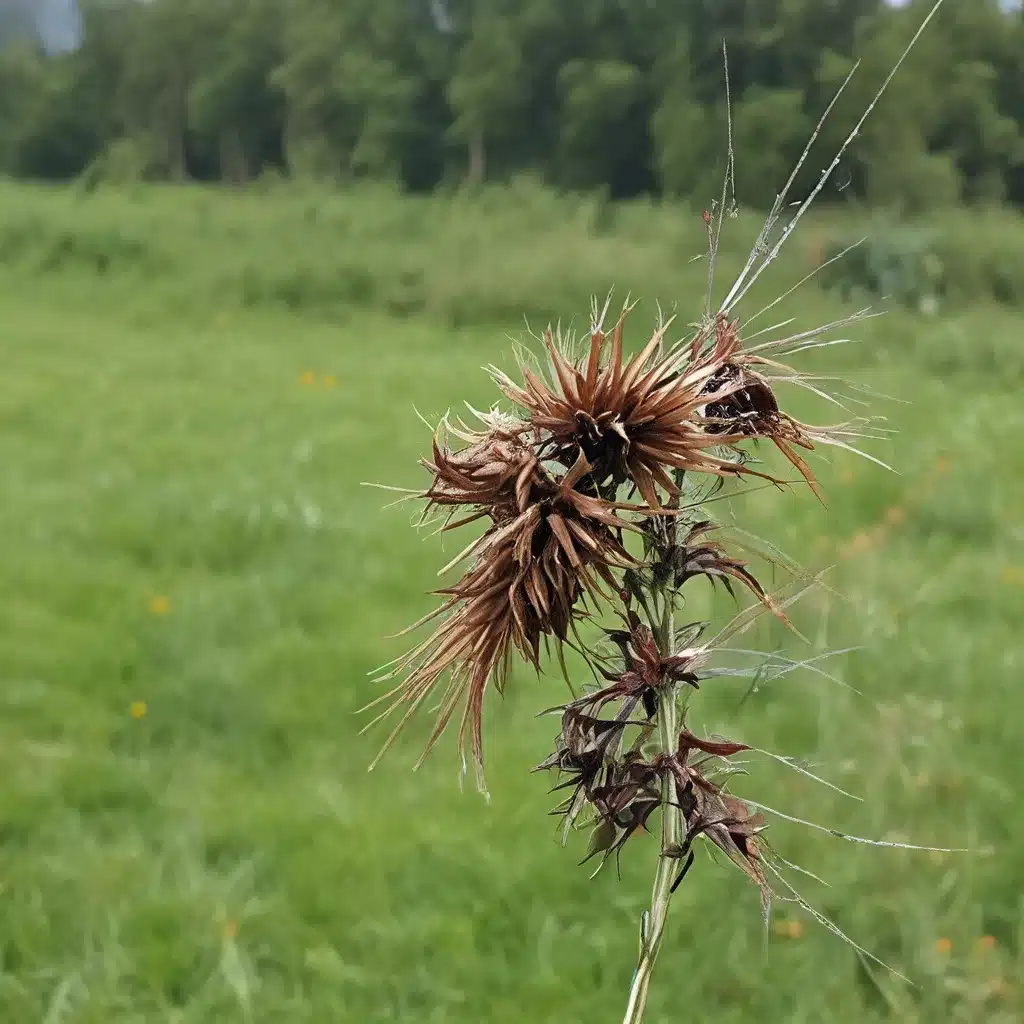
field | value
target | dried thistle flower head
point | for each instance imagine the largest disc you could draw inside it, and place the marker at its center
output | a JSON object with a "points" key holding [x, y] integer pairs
{"points": [[634, 419], [546, 547], [740, 400]]}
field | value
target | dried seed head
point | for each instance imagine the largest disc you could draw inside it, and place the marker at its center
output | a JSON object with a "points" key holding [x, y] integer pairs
{"points": [[634, 420], [740, 401], [547, 547]]}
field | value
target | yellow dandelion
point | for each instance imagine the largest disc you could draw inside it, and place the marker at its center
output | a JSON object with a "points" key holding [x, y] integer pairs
{"points": [[138, 709], [159, 605], [944, 946], [330, 381], [308, 379]]}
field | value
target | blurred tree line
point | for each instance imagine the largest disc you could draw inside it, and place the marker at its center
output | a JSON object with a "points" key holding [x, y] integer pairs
{"points": [[625, 96]]}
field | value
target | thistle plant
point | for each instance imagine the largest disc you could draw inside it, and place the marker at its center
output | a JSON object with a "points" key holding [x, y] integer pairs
{"points": [[594, 492]]}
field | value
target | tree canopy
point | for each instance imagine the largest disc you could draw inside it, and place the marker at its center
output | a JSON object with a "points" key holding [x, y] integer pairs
{"points": [[625, 96]]}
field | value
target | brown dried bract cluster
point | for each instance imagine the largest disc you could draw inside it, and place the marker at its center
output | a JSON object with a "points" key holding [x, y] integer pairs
{"points": [[622, 787], [546, 486], [739, 398], [680, 551], [708, 810], [634, 419], [546, 547]]}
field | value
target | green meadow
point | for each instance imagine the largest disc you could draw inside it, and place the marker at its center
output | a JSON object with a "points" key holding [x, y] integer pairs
{"points": [[194, 586]]}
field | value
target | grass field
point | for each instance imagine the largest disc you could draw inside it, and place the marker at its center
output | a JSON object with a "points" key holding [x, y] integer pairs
{"points": [[193, 587]]}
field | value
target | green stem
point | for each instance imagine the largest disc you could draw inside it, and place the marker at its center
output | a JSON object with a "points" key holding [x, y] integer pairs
{"points": [[671, 825]]}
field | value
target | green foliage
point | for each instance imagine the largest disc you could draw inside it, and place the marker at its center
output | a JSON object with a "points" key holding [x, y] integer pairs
{"points": [[911, 181], [687, 146], [234, 104], [951, 260], [487, 89], [772, 124], [598, 104], [225, 857], [899, 264], [465, 259], [123, 162], [593, 95]]}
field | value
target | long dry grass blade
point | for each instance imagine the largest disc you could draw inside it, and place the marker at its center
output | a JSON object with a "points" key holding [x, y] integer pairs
{"points": [[743, 286]]}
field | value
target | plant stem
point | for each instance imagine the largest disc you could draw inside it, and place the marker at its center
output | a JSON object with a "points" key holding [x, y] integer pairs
{"points": [[671, 823]]}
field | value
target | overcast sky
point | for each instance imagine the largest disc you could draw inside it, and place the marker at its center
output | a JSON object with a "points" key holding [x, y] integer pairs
{"points": [[59, 24]]}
